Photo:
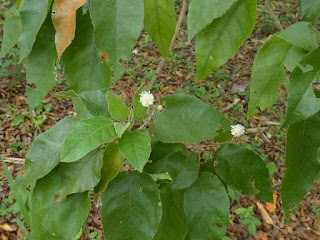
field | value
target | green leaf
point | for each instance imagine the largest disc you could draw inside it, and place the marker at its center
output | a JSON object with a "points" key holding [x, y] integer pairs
{"points": [[159, 155], [302, 161], [160, 23], [83, 67], [302, 102], [88, 135], [44, 153], [41, 65], [117, 107], [78, 105], [186, 119], [310, 9], [87, 104], [131, 207], [117, 26], [17, 121], [56, 221], [96, 102], [294, 55], [183, 167], [220, 41], [112, 164], [303, 35], [267, 74], [136, 147], [139, 111], [11, 32], [120, 128], [80, 176], [33, 13], [206, 205], [173, 224], [239, 167], [202, 12]]}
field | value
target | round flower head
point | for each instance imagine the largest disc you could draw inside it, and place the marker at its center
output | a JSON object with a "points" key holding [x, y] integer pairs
{"points": [[146, 98], [237, 130]]}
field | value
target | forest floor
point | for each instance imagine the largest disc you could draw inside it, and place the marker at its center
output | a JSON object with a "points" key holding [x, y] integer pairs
{"points": [[226, 89]]}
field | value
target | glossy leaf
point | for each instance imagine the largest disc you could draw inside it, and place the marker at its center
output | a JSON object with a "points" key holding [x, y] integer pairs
{"points": [[88, 135], [202, 12], [206, 205], [302, 161], [173, 224], [136, 147], [11, 31], [117, 26], [186, 119], [112, 164], [80, 176], [83, 67], [33, 13], [267, 74], [238, 167], [131, 207], [302, 102], [303, 35], [41, 65], [56, 221], [159, 155], [310, 9], [64, 21], [160, 23], [220, 40], [183, 167], [117, 107], [50, 142]]}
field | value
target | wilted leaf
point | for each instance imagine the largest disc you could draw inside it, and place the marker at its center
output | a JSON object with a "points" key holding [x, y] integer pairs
{"points": [[64, 21]]}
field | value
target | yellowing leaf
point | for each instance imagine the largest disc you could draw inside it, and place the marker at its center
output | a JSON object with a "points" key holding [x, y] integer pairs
{"points": [[271, 207], [64, 21]]}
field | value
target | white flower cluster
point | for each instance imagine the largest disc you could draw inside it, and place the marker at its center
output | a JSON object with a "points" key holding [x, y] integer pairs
{"points": [[237, 130], [146, 98]]}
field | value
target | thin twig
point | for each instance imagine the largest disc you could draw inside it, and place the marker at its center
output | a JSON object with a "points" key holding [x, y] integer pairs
{"points": [[148, 120], [163, 61], [14, 160], [274, 16]]}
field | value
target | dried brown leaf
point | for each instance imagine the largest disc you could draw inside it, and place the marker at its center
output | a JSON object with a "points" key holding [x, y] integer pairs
{"points": [[7, 228], [264, 214], [64, 21]]}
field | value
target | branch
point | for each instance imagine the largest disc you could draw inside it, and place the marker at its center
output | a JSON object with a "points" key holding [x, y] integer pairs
{"points": [[178, 26], [273, 15]]}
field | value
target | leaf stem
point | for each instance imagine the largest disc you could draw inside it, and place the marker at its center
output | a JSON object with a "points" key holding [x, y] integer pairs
{"points": [[274, 16], [163, 61]]}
